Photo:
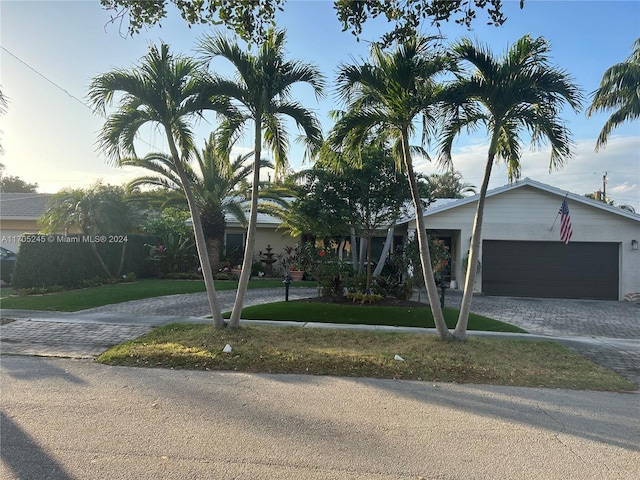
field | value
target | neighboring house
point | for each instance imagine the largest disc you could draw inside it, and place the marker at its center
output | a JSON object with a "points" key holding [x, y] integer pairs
{"points": [[19, 213], [267, 234], [521, 253]]}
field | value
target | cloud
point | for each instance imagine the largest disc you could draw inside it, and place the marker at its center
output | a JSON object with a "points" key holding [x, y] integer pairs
{"points": [[583, 173], [625, 188]]}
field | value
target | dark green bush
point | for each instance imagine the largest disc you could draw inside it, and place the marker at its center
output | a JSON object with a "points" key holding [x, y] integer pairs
{"points": [[69, 260]]}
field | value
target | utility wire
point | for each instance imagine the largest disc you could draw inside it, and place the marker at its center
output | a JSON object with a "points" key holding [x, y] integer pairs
{"points": [[65, 91], [46, 78]]}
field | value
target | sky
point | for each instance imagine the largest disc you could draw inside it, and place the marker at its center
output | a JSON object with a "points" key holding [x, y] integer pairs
{"points": [[52, 49]]}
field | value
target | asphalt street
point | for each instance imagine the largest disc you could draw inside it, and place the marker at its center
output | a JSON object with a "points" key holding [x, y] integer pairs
{"points": [[68, 419]]}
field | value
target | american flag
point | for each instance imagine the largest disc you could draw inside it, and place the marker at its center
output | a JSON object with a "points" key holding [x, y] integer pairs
{"points": [[565, 223]]}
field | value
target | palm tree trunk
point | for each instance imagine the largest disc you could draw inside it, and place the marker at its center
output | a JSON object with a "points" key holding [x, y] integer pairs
{"points": [[94, 249], [214, 245], [122, 255], [460, 332], [201, 244], [362, 254], [368, 288], [423, 245], [243, 282], [385, 250], [354, 250]]}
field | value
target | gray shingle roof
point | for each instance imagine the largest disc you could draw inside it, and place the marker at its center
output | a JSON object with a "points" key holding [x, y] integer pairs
{"points": [[23, 206]]}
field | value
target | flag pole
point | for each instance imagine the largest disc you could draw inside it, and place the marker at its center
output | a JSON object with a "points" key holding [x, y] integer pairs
{"points": [[556, 219]]}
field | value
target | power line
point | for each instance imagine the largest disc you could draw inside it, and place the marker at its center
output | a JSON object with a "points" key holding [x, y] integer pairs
{"points": [[46, 78], [33, 69]]}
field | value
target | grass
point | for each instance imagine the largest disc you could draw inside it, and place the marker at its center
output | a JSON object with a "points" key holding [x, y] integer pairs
{"points": [[367, 315], [74, 300], [366, 354], [6, 292]]}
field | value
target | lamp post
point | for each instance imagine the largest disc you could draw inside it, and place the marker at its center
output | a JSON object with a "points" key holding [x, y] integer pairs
{"points": [[287, 283]]}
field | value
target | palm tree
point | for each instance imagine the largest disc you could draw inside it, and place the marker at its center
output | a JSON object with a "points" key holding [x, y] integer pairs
{"points": [[518, 91], [168, 91], [386, 97], [619, 90], [262, 93], [448, 185], [100, 209], [218, 185]]}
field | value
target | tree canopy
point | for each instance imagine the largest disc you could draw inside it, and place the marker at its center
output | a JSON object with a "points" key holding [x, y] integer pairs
{"points": [[13, 184], [251, 19]]}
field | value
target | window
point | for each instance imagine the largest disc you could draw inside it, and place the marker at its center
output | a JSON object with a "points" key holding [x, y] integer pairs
{"points": [[234, 248]]}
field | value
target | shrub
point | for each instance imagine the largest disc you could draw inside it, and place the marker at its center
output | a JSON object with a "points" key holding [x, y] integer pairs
{"points": [[364, 297]]}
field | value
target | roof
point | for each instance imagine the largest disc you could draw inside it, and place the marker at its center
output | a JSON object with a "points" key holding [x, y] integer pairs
{"points": [[263, 219], [527, 182], [23, 206]]}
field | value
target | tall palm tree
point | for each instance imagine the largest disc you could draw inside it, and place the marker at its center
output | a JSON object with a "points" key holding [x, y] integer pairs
{"points": [[218, 184], [169, 91], [386, 97], [619, 91], [262, 93], [520, 90], [100, 209]]}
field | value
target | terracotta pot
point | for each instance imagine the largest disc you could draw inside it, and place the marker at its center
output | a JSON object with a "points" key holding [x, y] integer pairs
{"points": [[296, 275]]}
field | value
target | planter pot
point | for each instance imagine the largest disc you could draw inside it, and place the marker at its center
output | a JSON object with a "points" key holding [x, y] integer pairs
{"points": [[296, 275], [236, 271]]}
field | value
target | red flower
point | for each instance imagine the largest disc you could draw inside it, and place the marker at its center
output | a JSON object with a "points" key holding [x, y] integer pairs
{"points": [[322, 253]]}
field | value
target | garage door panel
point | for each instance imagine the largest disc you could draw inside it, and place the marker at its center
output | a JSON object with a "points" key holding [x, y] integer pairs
{"points": [[550, 269]]}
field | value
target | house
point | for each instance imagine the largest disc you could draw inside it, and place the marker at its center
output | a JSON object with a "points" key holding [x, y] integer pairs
{"points": [[19, 213], [521, 252]]}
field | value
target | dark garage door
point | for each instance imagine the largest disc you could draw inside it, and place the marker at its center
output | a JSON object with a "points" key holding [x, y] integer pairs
{"points": [[550, 269]]}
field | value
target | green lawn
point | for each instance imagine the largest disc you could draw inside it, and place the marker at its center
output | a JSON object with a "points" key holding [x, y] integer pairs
{"points": [[367, 315], [6, 291], [74, 300], [366, 354]]}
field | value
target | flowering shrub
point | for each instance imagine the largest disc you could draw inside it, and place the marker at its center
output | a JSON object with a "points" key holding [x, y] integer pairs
{"points": [[291, 258], [440, 259], [326, 268]]}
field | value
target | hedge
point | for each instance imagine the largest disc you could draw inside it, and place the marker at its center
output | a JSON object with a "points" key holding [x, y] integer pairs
{"points": [[46, 260]]}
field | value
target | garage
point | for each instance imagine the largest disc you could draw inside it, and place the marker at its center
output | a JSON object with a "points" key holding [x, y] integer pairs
{"points": [[551, 269]]}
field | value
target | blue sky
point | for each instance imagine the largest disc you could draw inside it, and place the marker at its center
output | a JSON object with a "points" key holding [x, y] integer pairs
{"points": [[49, 135]]}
